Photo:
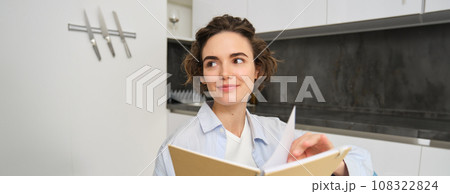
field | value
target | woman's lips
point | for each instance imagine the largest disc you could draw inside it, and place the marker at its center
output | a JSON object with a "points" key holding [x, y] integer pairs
{"points": [[228, 87]]}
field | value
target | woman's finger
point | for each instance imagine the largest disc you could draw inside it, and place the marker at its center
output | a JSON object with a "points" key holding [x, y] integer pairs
{"points": [[297, 144], [301, 144]]}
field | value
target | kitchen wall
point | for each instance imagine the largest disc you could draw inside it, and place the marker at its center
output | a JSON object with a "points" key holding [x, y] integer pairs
{"points": [[395, 72], [63, 112]]}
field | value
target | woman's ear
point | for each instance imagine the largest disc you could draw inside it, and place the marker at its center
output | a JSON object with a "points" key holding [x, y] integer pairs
{"points": [[257, 70], [202, 80]]}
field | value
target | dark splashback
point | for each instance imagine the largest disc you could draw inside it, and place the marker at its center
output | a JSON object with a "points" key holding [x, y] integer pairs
{"points": [[175, 56], [404, 72]]}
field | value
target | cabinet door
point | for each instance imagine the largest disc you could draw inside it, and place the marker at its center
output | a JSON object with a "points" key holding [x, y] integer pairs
{"points": [[388, 158], [204, 10], [436, 5], [435, 162], [342, 11], [175, 121], [286, 14]]}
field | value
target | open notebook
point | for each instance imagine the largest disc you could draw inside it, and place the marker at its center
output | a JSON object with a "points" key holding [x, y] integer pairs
{"points": [[190, 163]]}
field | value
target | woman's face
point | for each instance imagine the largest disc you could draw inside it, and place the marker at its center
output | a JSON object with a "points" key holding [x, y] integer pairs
{"points": [[228, 68]]}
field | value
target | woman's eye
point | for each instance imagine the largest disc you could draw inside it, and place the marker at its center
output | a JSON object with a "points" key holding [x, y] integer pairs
{"points": [[211, 64], [238, 61]]}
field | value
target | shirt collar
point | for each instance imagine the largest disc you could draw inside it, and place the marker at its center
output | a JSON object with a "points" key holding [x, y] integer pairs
{"points": [[208, 120], [257, 129]]}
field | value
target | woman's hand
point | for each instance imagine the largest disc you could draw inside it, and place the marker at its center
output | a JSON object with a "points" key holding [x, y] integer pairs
{"points": [[311, 144]]}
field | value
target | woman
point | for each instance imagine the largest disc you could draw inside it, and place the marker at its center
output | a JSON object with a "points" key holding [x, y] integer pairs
{"points": [[230, 58]]}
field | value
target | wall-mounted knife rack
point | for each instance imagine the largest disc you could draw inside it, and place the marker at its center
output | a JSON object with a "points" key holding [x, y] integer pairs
{"points": [[80, 28]]}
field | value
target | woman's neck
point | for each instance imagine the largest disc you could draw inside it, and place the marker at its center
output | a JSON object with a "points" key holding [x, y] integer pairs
{"points": [[231, 116]]}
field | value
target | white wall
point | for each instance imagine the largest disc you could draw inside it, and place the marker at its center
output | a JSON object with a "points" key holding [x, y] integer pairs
{"points": [[62, 111]]}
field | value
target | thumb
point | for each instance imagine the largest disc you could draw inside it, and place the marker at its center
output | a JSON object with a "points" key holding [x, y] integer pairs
{"points": [[290, 158]]}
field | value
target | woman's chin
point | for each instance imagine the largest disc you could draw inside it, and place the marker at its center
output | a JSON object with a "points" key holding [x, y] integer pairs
{"points": [[228, 102]]}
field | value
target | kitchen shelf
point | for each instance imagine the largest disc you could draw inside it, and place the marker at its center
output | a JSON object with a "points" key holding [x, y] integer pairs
{"points": [[183, 40], [361, 26]]}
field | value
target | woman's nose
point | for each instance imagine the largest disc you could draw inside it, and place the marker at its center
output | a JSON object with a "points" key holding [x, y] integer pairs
{"points": [[226, 71]]}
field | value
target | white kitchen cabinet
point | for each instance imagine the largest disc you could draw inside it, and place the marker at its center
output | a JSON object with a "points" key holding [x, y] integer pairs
{"points": [[388, 158], [286, 14], [435, 162], [342, 11], [264, 15], [175, 121], [436, 5], [182, 28], [204, 10]]}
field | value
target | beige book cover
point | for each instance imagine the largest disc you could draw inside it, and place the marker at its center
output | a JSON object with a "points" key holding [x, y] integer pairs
{"points": [[189, 163]]}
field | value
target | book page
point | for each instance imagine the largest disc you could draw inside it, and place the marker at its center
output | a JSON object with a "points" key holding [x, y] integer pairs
{"points": [[281, 152]]}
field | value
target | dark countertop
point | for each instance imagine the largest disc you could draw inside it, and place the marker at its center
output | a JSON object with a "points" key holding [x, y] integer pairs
{"points": [[431, 129]]}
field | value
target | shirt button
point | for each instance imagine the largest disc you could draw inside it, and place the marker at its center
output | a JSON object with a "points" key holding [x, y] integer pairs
{"points": [[221, 130]]}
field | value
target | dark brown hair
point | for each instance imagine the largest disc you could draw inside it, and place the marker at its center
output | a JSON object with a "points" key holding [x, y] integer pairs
{"points": [[265, 62]]}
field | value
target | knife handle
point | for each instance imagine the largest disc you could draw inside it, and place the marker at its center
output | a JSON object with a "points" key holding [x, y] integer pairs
{"points": [[127, 50], [111, 48], [97, 52], [94, 45]]}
